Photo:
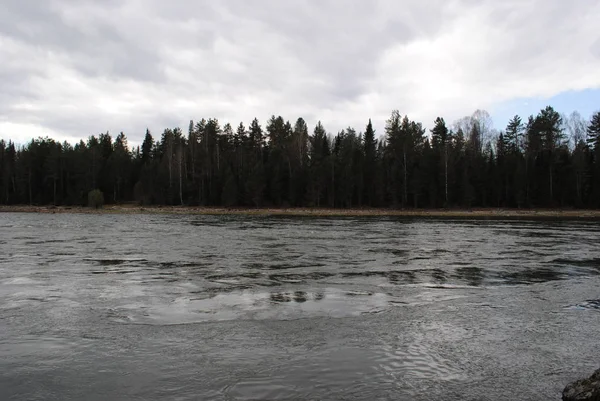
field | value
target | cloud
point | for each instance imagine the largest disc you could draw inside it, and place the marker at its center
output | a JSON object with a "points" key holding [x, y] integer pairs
{"points": [[73, 69]]}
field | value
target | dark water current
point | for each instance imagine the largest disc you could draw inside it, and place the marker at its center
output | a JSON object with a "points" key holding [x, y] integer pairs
{"points": [[140, 307]]}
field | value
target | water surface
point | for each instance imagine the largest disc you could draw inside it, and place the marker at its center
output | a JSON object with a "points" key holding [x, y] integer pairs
{"points": [[140, 307]]}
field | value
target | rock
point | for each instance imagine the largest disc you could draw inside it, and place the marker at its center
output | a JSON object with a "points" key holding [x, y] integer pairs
{"points": [[584, 389]]}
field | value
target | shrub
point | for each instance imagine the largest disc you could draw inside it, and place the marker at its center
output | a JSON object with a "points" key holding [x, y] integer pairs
{"points": [[95, 199]]}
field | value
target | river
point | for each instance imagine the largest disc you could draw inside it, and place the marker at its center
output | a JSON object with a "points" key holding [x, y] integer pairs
{"points": [[149, 307]]}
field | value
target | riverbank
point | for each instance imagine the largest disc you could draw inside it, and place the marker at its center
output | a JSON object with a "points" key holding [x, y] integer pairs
{"points": [[320, 212]]}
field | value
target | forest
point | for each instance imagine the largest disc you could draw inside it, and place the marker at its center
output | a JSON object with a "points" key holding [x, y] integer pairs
{"points": [[548, 160]]}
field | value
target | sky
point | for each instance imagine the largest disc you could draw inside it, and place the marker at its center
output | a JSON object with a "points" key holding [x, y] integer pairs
{"points": [[71, 69]]}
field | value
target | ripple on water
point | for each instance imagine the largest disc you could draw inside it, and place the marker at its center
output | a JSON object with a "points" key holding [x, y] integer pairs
{"points": [[24, 281], [346, 373], [593, 304], [593, 263], [332, 303], [115, 261], [415, 361]]}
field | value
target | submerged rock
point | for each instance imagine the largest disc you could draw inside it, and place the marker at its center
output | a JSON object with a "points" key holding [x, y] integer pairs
{"points": [[584, 389]]}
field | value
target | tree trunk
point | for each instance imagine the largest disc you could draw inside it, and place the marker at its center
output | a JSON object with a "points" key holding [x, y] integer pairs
{"points": [[578, 188], [551, 187], [62, 180], [290, 183], [94, 168], [170, 173], [192, 151], [29, 184], [405, 197], [170, 161], [446, 172], [180, 177], [200, 190], [527, 200]]}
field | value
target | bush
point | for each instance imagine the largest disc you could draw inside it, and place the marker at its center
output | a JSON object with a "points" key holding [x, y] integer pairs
{"points": [[95, 199]]}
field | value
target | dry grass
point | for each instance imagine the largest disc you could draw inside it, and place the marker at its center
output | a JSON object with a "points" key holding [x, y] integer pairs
{"points": [[319, 212]]}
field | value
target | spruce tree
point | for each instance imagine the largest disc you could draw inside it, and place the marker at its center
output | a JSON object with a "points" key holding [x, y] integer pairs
{"points": [[369, 169], [147, 147]]}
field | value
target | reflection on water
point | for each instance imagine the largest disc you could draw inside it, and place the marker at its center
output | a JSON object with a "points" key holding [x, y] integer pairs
{"points": [[242, 308], [233, 305]]}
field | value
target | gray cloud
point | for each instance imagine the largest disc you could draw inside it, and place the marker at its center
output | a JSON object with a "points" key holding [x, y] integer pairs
{"points": [[72, 69]]}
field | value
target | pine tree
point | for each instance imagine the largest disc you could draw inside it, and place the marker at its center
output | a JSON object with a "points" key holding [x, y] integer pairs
{"points": [[440, 138], [549, 125], [593, 131], [593, 141], [513, 134], [395, 147]]}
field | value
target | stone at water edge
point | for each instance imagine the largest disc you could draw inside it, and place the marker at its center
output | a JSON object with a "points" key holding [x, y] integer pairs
{"points": [[584, 389]]}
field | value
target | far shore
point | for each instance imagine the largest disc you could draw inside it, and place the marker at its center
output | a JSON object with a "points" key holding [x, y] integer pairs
{"points": [[476, 213]]}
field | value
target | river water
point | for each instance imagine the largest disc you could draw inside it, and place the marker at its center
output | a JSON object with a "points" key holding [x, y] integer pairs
{"points": [[148, 307]]}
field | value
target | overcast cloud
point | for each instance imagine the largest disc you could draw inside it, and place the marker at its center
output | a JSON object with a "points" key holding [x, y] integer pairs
{"points": [[69, 69]]}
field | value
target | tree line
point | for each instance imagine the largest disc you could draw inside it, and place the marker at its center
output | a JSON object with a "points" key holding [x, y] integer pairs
{"points": [[549, 160]]}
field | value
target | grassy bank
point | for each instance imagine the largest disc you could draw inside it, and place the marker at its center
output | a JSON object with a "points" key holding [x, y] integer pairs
{"points": [[322, 212]]}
